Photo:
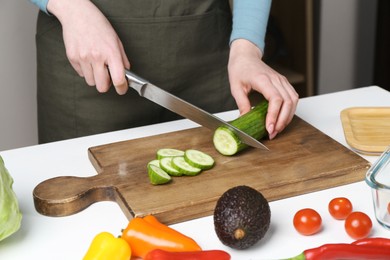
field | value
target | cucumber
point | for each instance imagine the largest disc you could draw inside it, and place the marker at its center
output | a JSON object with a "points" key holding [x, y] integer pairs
{"points": [[226, 142], [182, 166], [166, 165], [198, 159], [169, 152], [175, 163]]}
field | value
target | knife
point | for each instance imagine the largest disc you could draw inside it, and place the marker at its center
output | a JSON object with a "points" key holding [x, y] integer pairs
{"points": [[179, 106]]}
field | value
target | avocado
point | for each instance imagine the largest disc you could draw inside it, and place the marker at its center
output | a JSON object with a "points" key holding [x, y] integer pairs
{"points": [[241, 217]]}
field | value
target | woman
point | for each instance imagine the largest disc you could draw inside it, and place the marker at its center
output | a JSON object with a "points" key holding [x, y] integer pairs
{"points": [[193, 49]]}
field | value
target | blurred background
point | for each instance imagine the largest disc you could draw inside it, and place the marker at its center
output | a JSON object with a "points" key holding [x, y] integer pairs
{"points": [[322, 46]]}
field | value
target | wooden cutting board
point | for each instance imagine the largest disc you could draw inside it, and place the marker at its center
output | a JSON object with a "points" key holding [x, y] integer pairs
{"points": [[301, 159], [367, 129]]}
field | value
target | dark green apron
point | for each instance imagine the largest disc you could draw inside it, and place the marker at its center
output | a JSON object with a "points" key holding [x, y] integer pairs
{"points": [[179, 45]]}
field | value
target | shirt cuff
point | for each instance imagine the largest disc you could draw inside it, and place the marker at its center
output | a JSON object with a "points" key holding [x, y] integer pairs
{"points": [[250, 18], [42, 4]]}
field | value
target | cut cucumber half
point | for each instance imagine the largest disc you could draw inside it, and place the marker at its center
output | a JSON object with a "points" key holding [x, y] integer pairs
{"points": [[169, 152], [226, 141], [157, 175], [185, 168], [166, 165], [253, 123], [198, 159]]}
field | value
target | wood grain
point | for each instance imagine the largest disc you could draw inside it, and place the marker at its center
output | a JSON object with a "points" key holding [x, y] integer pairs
{"points": [[301, 159], [367, 129]]}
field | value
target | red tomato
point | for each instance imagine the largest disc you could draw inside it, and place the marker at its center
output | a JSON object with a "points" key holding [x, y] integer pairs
{"points": [[307, 221], [358, 225], [340, 208]]}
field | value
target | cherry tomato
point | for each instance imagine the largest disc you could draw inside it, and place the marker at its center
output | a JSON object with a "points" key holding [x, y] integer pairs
{"points": [[340, 208], [358, 225], [307, 221]]}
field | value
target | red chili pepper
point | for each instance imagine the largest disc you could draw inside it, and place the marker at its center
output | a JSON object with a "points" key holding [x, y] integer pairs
{"points": [[344, 251], [373, 241], [159, 254]]}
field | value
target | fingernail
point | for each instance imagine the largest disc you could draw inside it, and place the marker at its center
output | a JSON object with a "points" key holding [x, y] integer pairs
{"points": [[122, 89], [272, 136], [270, 129]]}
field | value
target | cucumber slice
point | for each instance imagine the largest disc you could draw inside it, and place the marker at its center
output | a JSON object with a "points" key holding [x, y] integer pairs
{"points": [[157, 175], [182, 166], [198, 159], [169, 152], [166, 165]]}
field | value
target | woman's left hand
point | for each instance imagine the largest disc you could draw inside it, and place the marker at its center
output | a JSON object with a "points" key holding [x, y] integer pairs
{"points": [[247, 72]]}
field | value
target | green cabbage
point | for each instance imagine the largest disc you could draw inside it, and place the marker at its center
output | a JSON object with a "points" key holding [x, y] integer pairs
{"points": [[10, 215]]}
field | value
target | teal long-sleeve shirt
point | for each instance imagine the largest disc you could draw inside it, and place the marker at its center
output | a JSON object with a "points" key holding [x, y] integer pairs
{"points": [[250, 18]]}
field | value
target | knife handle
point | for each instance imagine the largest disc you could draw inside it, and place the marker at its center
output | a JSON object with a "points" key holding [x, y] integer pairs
{"points": [[135, 82]]}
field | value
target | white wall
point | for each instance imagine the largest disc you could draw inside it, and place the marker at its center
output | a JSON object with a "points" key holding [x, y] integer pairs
{"points": [[18, 117], [346, 44]]}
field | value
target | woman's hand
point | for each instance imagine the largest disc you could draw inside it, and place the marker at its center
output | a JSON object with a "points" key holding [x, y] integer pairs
{"points": [[247, 72], [92, 45]]}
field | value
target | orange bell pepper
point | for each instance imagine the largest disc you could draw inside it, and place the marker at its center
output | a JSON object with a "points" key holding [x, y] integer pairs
{"points": [[155, 222], [146, 234]]}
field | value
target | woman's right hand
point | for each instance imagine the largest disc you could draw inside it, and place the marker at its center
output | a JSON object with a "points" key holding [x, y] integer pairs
{"points": [[92, 45]]}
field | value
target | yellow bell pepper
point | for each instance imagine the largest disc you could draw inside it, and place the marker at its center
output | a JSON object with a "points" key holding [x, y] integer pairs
{"points": [[106, 246]]}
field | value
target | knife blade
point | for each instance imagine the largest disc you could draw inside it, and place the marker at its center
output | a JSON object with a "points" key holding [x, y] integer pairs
{"points": [[179, 106]]}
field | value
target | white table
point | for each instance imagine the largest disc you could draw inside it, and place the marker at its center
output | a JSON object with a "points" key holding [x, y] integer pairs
{"points": [[42, 237]]}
